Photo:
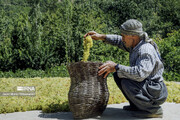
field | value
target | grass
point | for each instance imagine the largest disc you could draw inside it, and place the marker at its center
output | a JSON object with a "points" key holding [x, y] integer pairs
{"points": [[52, 94]]}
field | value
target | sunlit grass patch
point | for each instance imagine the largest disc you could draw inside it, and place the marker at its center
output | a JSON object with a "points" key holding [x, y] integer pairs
{"points": [[173, 92], [52, 94]]}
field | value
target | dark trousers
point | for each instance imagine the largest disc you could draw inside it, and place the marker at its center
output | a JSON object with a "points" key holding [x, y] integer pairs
{"points": [[118, 82], [146, 95]]}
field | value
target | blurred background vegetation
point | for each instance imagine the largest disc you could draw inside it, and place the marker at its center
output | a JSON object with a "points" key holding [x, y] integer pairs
{"points": [[38, 38]]}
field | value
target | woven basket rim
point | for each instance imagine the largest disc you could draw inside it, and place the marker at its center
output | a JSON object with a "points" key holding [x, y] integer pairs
{"points": [[85, 62]]}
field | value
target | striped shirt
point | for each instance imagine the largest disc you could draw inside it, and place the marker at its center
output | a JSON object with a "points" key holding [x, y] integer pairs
{"points": [[144, 61]]}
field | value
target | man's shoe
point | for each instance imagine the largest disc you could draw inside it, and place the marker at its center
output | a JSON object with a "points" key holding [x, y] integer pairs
{"points": [[144, 114], [130, 108]]}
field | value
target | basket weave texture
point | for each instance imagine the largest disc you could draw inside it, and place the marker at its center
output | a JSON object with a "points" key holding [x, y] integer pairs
{"points": [[88, 94]]}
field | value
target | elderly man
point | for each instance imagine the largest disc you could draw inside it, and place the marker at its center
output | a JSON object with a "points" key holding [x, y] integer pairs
{"points": [[141, 82]]}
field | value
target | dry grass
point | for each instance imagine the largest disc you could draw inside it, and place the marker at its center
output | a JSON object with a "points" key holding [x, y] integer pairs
{"points": [[51, 94]]}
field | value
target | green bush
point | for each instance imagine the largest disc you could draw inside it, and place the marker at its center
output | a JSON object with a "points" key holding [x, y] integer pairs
{"points": [[37, 35], [170, 52], [57, 71]]}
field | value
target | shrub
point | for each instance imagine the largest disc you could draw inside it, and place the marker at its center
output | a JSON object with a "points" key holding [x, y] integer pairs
{"points": [[170, 52], [57, 71]]}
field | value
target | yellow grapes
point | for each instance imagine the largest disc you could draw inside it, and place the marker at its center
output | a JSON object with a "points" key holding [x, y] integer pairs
{"points": [[87, 43]]}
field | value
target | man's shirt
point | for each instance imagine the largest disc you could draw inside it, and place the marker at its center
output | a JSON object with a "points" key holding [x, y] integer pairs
{"points": [[144, 61]]}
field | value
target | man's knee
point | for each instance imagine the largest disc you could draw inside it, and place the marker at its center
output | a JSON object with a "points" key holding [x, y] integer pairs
{"points": [[116, 78], [127, 84]]}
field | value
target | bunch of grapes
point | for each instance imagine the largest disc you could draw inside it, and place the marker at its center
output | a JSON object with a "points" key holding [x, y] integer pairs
{"points": [[87, 43]]}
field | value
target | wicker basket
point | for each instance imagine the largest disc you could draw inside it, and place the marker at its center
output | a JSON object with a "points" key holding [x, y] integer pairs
{"points": [[88, 94]]}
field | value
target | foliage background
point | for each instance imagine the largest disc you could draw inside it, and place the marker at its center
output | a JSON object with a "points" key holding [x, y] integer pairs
{"points": [[40, 37]]}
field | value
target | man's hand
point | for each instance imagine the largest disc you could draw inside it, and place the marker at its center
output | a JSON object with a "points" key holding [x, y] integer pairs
{"points": [[95, 36], [107, 68]]}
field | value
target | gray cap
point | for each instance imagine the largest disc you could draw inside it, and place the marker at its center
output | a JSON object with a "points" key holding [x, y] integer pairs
{"points": [[131, 27], [134, 27]]}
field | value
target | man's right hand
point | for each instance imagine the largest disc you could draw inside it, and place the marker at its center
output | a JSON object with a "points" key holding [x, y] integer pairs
{"points": [[95, 36]]}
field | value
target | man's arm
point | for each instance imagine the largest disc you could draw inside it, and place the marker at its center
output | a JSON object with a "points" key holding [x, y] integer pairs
{"points": [[96, 36], [115, 40], [144, 66]]}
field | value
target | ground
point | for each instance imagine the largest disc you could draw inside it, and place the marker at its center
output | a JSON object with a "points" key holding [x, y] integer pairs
{"points": [[112, 112]]}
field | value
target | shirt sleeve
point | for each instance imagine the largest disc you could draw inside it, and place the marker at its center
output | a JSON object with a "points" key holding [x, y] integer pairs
{"points": [[115, 40], [143, 68]]}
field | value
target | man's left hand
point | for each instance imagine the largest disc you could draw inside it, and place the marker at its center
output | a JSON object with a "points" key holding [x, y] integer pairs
{"points": [[107, 68]]}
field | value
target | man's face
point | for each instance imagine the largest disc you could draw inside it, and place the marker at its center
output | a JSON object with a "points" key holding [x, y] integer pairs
{"points": [[129, 40]]}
